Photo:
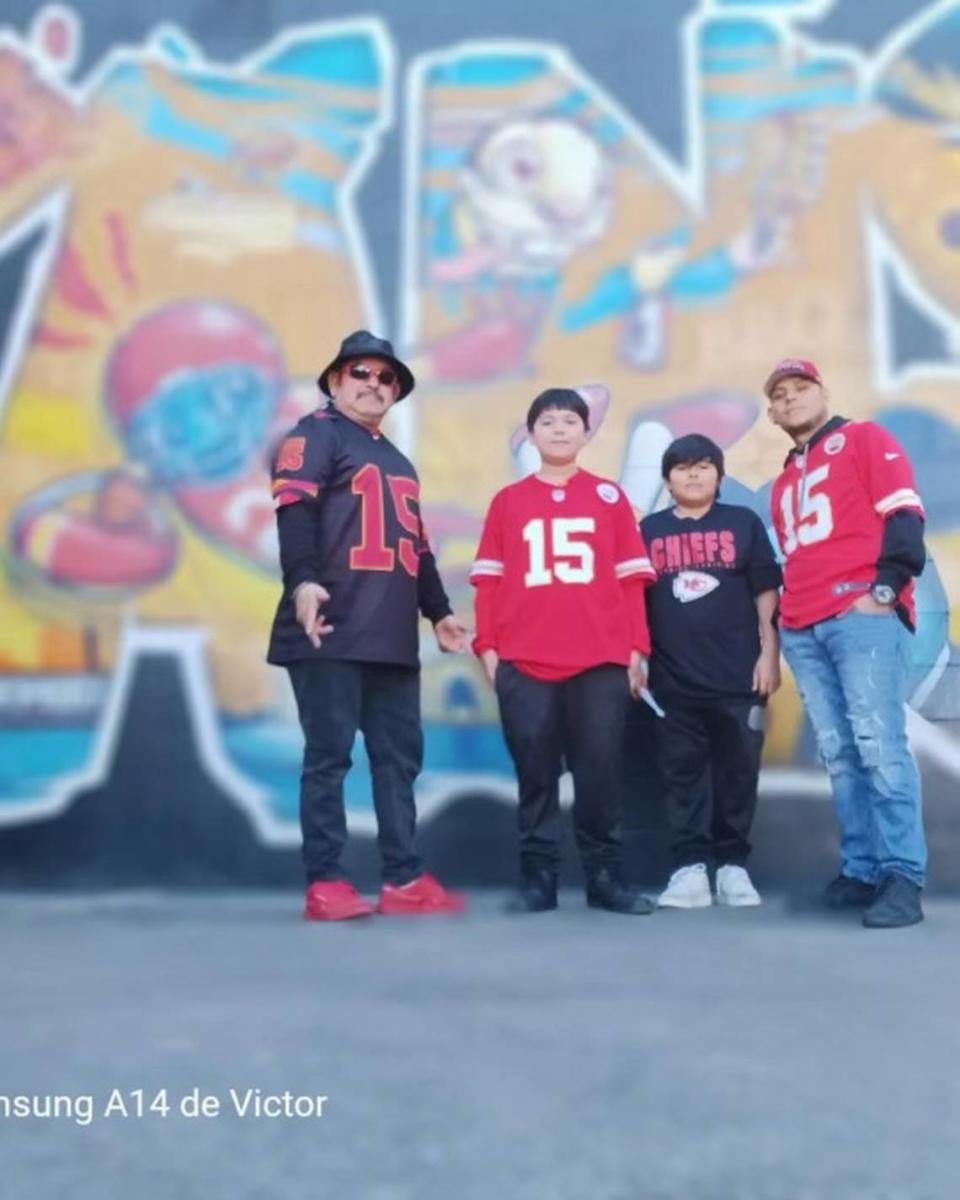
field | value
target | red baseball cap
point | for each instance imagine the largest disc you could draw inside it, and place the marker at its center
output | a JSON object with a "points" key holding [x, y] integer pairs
{"points": [[787, 367]]}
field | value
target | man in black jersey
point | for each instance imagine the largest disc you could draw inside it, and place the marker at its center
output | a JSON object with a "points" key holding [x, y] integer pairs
{"points": [[357, 571], [715, 660]]}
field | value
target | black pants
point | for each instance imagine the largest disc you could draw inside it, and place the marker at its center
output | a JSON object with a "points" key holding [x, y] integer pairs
{"points": [[334, 700], [579, 720], [708, 756]]}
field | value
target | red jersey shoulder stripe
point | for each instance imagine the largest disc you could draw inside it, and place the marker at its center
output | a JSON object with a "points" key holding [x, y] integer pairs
{"points": [[901, 498], [634, 566], [486, 566]]}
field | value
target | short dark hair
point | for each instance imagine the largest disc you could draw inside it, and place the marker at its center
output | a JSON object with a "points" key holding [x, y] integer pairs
{"points": [[562, 398], [691, 448]]}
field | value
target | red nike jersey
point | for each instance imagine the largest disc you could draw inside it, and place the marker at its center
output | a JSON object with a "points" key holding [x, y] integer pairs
{"points": [[829, 506], [560, 574]]}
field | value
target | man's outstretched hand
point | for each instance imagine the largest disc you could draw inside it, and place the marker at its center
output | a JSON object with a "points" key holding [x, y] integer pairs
{"points": [[451, 634]]}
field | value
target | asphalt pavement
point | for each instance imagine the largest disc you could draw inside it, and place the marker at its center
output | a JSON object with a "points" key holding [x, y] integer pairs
{"points": [[771, 1054]]}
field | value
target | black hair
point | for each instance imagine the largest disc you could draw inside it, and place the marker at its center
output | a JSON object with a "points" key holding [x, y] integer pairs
{"points": [[692, 448], [562, 398]]}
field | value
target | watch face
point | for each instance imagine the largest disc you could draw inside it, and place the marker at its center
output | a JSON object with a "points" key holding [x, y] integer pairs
{"points": [[883, 594]]}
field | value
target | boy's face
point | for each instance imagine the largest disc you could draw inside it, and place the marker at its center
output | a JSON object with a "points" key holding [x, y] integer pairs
{"points": [[694, 482], [559, 434]]}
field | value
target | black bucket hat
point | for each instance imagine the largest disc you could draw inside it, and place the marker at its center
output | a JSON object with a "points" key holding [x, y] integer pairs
{"points": [[363, 344]]}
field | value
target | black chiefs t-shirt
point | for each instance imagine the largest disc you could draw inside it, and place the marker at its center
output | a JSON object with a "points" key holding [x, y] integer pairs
{"points": [[702, 612], [348, 516]]}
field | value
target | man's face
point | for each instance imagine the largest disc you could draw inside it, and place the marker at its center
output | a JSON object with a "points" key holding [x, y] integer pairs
{"points": [[798, 405], [694, 483], [360, 393], [559, 434]]}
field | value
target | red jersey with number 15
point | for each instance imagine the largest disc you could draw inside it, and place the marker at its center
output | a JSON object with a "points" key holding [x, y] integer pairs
{"points": [[829, 506], [560, 576]]}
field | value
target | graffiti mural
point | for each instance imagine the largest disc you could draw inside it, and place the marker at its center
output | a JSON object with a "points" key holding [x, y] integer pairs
{"points": [[550, 240], [160, 350], [195, 251]]}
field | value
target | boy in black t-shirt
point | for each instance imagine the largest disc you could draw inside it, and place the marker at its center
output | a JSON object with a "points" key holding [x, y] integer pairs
{"points": [[715, 660]]}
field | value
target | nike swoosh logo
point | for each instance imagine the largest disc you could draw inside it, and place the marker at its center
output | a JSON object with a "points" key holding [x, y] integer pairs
{"points": [[890, 457]]}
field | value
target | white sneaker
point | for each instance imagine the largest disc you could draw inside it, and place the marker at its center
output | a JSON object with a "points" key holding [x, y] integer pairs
{"points": [[735, 888], [688, 887]]}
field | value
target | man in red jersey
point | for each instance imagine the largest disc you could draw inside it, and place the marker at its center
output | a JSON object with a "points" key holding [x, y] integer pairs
{"points": [[850, 524], [562, 633]]}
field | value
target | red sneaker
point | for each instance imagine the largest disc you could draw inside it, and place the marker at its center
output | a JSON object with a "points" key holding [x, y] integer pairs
{"points": [[421, 895], [335, 900]]}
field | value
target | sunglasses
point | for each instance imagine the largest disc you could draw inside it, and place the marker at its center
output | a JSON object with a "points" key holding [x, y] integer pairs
{"points": [[384, 375]]}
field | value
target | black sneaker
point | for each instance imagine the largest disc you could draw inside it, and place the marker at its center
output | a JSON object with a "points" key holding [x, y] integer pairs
{"points": [[607, 890], [537, 892], [897, 904], [845, 892]]}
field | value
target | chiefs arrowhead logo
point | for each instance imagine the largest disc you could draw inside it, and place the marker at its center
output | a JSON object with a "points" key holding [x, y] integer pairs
{"points": [[693, 585]]}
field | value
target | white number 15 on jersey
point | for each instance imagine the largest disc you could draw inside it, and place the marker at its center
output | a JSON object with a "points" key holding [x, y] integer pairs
{"points": [[572, 558], [814, 521]]}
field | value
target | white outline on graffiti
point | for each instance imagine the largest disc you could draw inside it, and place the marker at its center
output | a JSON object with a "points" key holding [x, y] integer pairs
{"points": [[885, 259], [50, 217]]}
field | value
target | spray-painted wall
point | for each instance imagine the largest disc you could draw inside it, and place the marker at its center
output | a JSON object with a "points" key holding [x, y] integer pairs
{"points": [[189, 226]]}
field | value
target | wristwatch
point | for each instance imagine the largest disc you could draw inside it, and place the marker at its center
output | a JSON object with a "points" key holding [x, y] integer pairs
{"points": [[883, 593]]}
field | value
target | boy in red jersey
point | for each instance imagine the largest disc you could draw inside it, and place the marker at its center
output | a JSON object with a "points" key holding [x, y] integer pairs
{"points": [[850, 523], [562, 634]]}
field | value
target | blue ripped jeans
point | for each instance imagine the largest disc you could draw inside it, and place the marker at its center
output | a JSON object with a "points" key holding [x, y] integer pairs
{"points": [[852, 675]]}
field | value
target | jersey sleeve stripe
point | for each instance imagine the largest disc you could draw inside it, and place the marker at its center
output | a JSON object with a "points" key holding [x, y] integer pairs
{"points": [[635, 566], [903, 498], [296, 485], [282, 499], [486, 566], [292, 491]]}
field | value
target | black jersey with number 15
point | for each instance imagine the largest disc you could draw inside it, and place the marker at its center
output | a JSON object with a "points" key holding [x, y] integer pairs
{"points": [[348, 513]]}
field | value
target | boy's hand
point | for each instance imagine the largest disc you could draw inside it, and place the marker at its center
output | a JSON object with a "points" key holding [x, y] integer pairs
{"points": [[637, 673], [490, 660], [766, 674]]}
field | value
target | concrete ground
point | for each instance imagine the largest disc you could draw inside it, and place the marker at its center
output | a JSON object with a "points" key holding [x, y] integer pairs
{"points": [[774, 1054]]}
